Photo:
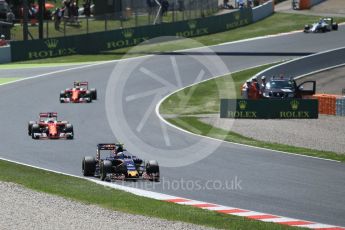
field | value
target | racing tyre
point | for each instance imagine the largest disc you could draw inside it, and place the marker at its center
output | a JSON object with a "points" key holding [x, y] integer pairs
{"points": [[30, 127], [62, 95], [335, 26], [89, 166], [152, 167], [93, 94], [306, 28], [35, 129], [140, 166], [69, 129], [105, 168], [88, 95]]}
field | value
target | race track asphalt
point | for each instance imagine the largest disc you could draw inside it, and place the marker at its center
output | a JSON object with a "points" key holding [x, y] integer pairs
{"points": [[268, 181]]}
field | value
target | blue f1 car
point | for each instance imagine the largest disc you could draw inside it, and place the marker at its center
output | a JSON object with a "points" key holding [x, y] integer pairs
{"points": [[119, 165]]}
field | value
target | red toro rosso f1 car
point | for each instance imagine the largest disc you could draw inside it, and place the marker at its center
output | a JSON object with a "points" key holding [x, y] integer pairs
{"points": [[48, 127], [119, 165], [80, 93]]}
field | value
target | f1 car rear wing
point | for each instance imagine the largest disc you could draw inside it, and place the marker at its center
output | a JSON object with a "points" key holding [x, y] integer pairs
{"points": [[48, 114], [81, 83], [106, 146]]}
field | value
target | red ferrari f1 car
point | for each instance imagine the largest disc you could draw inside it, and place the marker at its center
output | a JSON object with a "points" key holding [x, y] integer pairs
{"points": [[80, 93], [49, 127]]}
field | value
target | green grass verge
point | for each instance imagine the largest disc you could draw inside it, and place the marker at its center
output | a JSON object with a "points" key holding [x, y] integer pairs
{"points": [[277, 23], [184, 103], [193, 125], [91, 193], [6, 80], [228, 86]]}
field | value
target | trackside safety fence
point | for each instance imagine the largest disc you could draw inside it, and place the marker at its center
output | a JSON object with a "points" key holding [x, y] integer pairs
{"points": [[120, 38], [110, 40]]}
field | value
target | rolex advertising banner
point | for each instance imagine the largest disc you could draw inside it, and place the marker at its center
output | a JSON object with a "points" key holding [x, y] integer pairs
{"points": [[269, 109], [110, 40]]}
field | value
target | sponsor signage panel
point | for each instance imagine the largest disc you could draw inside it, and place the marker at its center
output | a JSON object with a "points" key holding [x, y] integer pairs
{"points": [[269, 109], [110, 40]]}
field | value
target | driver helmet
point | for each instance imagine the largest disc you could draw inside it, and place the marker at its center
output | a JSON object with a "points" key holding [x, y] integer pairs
{"points": [[120, 155], [119, 148], [2, 36], [263, 78], [50, 120]]}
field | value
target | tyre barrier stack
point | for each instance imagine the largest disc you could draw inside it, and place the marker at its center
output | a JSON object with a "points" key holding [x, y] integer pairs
{"points": [[327, 103], [307, 4], [340, 106], [330, 104]]}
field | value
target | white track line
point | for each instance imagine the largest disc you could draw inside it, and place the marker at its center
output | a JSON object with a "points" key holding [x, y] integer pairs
{"points": [[157, 106], [260, 73], [54, 72], [319, 71], [183, 201], [145, 193], [300, 58]]}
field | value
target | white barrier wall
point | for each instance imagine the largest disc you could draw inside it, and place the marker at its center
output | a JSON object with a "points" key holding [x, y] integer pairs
{"points": [[263, 11], [5, 54]]}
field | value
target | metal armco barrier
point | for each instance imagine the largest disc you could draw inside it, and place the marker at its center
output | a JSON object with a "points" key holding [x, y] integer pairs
{"points": [[5, 54], [110, 40], [269, 109], [263, 11], [340, 106]]}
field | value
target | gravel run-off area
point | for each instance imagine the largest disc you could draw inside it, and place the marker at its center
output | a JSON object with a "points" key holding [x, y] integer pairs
{"points": [[22, 208], [326, 133]]}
